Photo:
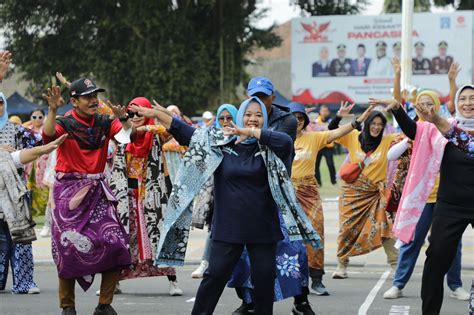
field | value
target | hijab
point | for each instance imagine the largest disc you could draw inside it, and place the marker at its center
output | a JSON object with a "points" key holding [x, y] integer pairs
{"points": [[228, 107], [463, 123], [434, 97], [4, 118], [142, 145], [241, 113], [367, 142]]}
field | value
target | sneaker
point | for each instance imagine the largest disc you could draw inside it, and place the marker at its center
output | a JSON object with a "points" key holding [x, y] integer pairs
{"points": [[69, 311], [340, 273], [303, 309], [244, 309], [393, 293], [34, 290], [104, 309], [174, 289], [318, 288], [117, 290], [199, 272], [45, 231], [460, 294]]}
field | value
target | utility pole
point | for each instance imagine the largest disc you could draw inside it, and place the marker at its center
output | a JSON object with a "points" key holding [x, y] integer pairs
{"points": [[407, 39]]}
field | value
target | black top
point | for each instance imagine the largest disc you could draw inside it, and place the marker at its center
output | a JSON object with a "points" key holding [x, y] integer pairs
{"points": [[244, 208], [456, 186]]}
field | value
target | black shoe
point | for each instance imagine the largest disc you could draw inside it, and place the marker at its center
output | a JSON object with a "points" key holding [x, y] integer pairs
{"points": [[318, 288], [244, 309], [69, 311], [104, 309], [303, 309]]}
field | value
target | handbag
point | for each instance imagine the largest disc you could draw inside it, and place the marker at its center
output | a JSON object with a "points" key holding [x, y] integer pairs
{"points": [[349, 172]]}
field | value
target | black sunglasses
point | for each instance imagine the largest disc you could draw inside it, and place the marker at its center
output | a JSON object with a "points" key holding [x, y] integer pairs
{"points": [[36, 117], [133, 114]]}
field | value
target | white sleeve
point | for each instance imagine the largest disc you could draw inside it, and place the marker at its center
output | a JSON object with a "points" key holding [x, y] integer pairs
{"points": [[123, 136], [397, 150], [16, 158]]}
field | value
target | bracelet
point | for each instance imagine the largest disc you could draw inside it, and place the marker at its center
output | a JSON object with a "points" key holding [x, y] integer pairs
{"points": [[124, 118], [356, 124], [252, 132]]}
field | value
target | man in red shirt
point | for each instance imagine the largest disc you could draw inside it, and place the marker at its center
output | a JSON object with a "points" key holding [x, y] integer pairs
{"points": [[87, 236]]}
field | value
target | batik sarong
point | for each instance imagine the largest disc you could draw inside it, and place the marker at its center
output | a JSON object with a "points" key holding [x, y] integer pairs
{"points": [[86, 234]]}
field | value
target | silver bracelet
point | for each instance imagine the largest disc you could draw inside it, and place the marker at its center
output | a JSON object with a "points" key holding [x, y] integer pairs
{"points": [[253, 132]]}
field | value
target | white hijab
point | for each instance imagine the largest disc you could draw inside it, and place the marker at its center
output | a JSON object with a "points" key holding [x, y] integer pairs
{"points": [[463, 123]]}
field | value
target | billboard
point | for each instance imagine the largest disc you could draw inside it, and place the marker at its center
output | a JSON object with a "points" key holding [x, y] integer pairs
{"points": [[348, 57]]}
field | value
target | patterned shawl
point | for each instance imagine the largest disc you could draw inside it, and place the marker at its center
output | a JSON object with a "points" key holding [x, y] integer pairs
{"points": [[15, 202], [199, 163], [156, 194]]}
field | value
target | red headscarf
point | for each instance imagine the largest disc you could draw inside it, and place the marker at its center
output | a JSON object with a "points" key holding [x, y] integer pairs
{"points": [[142, 145]]}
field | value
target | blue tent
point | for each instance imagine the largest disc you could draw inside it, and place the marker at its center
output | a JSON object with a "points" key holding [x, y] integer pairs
{"points": [[280, 99], [18, 105]]}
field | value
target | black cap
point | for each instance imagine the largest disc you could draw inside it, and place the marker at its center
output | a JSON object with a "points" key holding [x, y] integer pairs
{"points": [[341, 47], [419, 45], [381, 43], [443, 44], [83, 86]]}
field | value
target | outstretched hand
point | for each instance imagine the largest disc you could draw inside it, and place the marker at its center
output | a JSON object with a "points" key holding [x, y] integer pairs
{"points": [[160, 108], [118, 110], [62, 79], [397, 68], [54, 98], [50, 147], [7, 148], [426, 113], [143, 111], [345, 109], [387, 103], [5, 61], [454, 70], [242, 133]]}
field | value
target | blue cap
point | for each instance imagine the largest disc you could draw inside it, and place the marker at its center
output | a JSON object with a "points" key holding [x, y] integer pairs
{"points": [[299, 108], [260, 84]]}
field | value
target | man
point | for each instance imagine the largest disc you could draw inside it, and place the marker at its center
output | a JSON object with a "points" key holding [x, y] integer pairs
{"points": [[321, 67], [441, 64], [87, 236], [397, 50], [380, 67], [361, 63], [421, 65], [340, 67], [322, 122]]}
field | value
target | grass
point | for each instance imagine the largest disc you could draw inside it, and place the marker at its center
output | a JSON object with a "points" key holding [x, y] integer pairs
{"points": [[328, 190]]}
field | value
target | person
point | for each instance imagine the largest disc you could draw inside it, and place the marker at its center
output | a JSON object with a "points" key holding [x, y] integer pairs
{"points": [[204, 203], [397, 50], [441, 63], [18, 255], [341, 66], [279, 117], [86, 234], [453, 210], [307, 145], [364, 224], [361, 64], [172, 151], [409, 251], [421, 65], [327, 152], [380, 67], [138, 182], [247, 197], [208, 119], [15, 120], [321, 67]]}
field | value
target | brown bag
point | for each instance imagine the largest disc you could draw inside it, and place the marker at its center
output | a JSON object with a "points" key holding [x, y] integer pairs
{"points": [[349, 172]]}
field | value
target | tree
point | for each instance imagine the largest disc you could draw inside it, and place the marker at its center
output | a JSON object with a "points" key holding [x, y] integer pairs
{"points": [[395, 6], [187, 52], [328, 7], [457, 4]]}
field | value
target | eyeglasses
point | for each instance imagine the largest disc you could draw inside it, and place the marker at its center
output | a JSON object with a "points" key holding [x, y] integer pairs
{"points": [[226, 118], [133, 114], [36, 117]]}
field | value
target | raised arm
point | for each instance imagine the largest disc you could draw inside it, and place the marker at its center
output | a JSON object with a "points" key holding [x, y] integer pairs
{"points": [[29, 155], [407, 125], [344, 111], [397, 69], [452, 75], [429, 114], [344, 130], [5, 60], [397, 150], [55, 100]]}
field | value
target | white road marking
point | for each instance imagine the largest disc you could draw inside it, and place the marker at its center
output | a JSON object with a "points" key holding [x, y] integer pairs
{"points": [[399, 310], [191, 300], [370, 298]]}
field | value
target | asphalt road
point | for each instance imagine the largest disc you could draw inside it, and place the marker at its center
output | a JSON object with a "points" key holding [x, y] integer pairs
{"points": [[360, 294]]}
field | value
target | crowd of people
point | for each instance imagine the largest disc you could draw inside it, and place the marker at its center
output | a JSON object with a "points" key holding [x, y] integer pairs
{"points": [[121, 186]]}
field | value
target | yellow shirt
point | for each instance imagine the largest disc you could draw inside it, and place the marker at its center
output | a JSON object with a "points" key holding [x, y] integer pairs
{"points": [[307, 147], [319, 121], [377, 164]]}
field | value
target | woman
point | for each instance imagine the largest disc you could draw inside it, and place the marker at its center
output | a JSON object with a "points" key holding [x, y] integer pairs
{"points": [[307, 147], [364, 224], [203, 204], [251, 185], [35, 171], [409, 251], [138, 182], [454, 210], [12, 138]]}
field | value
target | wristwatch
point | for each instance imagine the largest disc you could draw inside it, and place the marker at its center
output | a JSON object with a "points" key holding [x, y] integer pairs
{"points": [[356, 124], [124, 118]]}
